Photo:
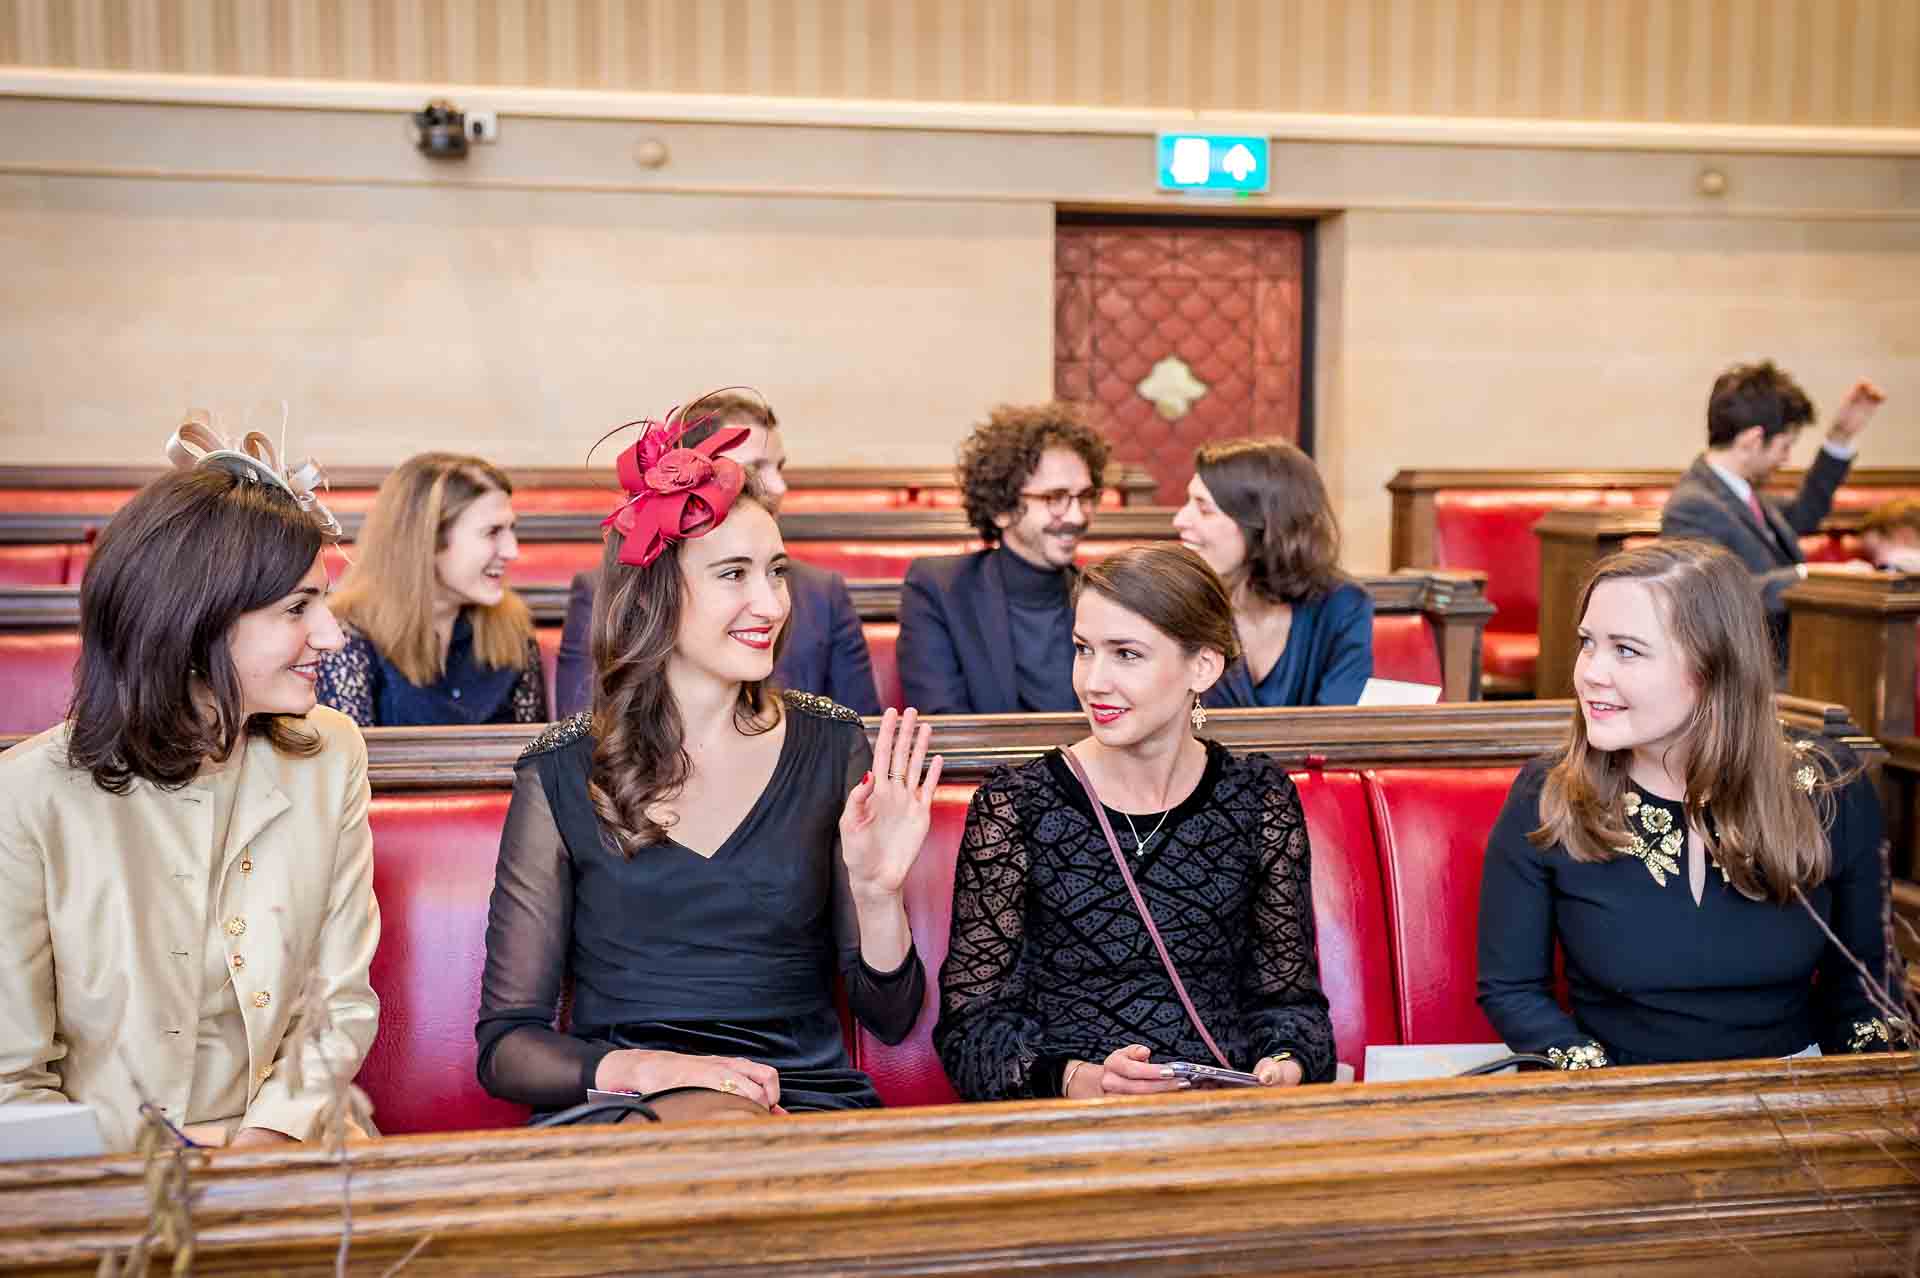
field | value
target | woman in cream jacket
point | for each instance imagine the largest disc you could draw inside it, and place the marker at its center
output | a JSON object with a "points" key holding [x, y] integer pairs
{"points": [[186, 874]]}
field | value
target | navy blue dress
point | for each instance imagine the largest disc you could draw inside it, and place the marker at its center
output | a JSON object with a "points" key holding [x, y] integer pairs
{"points": [[362, 684], [1327, 661]]}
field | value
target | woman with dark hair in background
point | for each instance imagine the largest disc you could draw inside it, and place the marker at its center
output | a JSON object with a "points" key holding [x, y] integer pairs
{"points": [[699, 853], [1678, 844], [434, 636], [186, 873], [1257, 512], [1053, 985]]}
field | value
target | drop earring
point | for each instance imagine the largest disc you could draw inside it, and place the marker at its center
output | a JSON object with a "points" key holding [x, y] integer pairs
{"points": [[1198, 716]]}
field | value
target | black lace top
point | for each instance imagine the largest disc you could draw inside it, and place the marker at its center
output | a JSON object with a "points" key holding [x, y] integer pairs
{"points": [[359, 682], [732, 955], [1049, 959]]}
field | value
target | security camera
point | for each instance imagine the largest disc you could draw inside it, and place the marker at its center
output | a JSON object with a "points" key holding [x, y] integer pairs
{"points": [[440, 131]]}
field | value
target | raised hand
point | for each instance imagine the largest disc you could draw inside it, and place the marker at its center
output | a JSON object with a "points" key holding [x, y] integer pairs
{"points": [[1856, 410], [885, 819]]}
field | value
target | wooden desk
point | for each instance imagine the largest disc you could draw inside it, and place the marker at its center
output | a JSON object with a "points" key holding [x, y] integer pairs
{"points": [[1769, 1166], [1851, 640]]}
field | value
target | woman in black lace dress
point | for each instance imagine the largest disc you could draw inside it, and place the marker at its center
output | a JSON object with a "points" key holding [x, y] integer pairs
{"points": [[1052, 986], [700, 854]]}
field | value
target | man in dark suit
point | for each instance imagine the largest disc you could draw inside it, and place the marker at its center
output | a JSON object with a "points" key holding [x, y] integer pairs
{"points": [[992, 631], [1754, 415], [826, 650]]}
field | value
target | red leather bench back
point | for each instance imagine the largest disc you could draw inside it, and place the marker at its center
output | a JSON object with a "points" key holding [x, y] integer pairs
{"points": [[36, 669], [549, 637], [434, 857], [1396, 882], [36, 566], [883, 641], [553, 563], [1405, 647], [1432, 825]]}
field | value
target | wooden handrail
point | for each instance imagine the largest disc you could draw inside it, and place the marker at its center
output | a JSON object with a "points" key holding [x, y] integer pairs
{"points": [[1778, 1166], [1342, 737]]}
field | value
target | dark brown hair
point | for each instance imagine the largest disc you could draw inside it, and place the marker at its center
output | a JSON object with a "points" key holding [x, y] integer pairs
{"points": [[1748, 395], [1173, 589], [1274, 492], [1739, 761], [171, 574], [640, 750], [1000, 455]]}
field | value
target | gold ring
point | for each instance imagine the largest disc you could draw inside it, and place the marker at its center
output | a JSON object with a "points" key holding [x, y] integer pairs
{"points": [[728, 1085], [901, 777]]}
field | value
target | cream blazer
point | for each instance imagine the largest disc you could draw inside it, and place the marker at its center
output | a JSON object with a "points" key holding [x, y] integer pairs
{"points": [[104, 930]]}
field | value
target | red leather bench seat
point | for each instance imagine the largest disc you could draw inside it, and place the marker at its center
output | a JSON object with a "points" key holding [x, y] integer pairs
{"points": [[1395, 884], [1406, 647]]}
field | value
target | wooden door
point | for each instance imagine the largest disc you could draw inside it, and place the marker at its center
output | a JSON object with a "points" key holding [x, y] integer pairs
{"points": [[1177, 333]]}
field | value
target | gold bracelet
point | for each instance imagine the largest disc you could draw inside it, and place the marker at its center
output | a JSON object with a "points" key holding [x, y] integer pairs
{"points": [[1066, 1079]]}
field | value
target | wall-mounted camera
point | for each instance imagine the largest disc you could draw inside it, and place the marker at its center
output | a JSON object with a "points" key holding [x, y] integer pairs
{"points": [[440, 131]]}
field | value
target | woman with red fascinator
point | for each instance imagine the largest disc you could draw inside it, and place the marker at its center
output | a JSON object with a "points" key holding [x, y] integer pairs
{"points": [[699, 852]]}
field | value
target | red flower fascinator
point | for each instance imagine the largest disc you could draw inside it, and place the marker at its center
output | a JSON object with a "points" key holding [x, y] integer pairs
{"points": [[675, 492]]}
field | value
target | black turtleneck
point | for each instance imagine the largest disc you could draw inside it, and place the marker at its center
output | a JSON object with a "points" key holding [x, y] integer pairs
{"points": [[1039, 601]]}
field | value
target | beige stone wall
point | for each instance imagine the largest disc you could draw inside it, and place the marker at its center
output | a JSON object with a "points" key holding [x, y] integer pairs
{"points": [[1559, 341], [1479, 305]]}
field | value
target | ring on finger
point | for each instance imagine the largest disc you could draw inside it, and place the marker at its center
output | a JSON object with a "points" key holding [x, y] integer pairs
{"points": [[729, 1086]]}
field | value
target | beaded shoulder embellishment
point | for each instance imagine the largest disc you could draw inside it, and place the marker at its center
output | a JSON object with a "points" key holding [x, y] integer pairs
{"points": [[814, 704], [564, 732]]}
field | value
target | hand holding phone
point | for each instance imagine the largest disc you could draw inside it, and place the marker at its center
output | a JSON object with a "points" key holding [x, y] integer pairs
{"points": [[1211, 1075]]}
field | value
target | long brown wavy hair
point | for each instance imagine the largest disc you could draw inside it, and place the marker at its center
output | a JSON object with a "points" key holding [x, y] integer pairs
{"points": [[1275, 493], [640, 740], [389, 591], [1740, 764]]}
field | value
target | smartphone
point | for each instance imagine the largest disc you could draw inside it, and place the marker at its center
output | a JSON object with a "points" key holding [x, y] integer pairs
{"points": [[1211, 1075]]}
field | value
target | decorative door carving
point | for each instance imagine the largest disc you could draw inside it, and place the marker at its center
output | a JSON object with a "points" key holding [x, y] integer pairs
{"points": [[1178, 334]]}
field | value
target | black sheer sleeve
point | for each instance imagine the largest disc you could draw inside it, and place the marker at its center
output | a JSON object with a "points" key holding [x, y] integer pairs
{"points": [[346, 678], [988, 1040], [1849, 1019], [529, 926], [888, 1003], [529, 696], [1280, 987], [1517, 935]]}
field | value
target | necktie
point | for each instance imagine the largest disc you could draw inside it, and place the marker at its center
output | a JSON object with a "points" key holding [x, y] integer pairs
{"points": [[1759, 516]]}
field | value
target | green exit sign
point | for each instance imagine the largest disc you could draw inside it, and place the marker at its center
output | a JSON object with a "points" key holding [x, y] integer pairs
{"points": [[1212, 162]]}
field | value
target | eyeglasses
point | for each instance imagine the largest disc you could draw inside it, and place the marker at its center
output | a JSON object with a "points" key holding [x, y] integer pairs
{"points": [[1058, 499]]}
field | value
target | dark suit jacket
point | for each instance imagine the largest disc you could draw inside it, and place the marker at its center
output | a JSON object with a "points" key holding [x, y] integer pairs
{"points": [[956, 638], [826, 650], [1701, 506]]}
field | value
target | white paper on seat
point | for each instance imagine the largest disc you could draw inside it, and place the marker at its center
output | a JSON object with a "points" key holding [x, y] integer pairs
{"points": [[1398, 692], [1396, 1063], [48, 1131]]}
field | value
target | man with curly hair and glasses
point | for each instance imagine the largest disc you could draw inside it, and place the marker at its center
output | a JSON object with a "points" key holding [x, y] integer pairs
{"points": [[992, 631]]}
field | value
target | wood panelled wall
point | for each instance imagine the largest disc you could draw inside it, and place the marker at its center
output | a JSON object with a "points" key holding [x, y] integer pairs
{"points": [[1840, 63]]}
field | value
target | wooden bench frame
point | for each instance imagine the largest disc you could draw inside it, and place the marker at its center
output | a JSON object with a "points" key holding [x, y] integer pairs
{"points": [[1784, 1166]]}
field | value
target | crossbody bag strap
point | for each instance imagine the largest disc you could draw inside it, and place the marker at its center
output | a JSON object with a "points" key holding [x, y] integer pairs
{"points": [[1133, 890]]}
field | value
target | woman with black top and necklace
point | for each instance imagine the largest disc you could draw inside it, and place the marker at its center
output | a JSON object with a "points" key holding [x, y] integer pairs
{"points": [[1053, 985], [1680, 843], [701, 854]]}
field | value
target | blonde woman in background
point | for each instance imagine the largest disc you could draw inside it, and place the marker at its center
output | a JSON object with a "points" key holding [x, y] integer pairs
{"points": [[434, 636]]}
